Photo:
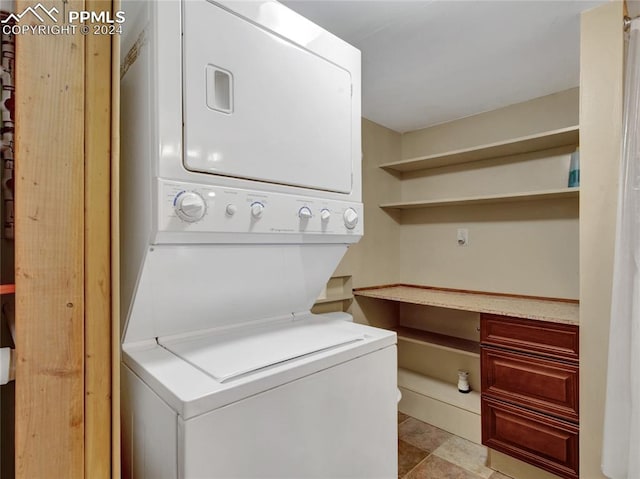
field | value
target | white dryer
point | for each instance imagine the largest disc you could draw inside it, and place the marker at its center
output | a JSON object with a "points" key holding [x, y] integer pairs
{"points": [[241, 191]]}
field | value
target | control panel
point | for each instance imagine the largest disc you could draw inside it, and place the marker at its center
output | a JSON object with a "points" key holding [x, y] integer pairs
{"points": [[197, 208]]}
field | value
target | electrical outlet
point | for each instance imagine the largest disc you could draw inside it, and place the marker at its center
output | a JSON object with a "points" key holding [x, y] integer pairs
{"points": [[463, 237]]}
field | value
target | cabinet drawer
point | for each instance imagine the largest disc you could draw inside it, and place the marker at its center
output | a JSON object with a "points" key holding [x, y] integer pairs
{"points": [[549, 339], [545, 385], [547, 443]]}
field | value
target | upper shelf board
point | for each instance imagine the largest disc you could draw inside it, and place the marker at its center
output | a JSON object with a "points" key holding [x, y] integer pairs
{"points": [[541, 309], [526, 144], [487, 199]]}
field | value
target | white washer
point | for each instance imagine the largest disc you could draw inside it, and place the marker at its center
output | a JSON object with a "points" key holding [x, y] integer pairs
{"points": [[329, 412], [241, 189]]}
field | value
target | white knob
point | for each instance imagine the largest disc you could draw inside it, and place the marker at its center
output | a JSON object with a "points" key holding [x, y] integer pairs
{"points": [[325, 214], [231, 209], [350, 218], [257, 209], [304, 213], [190, 206]]}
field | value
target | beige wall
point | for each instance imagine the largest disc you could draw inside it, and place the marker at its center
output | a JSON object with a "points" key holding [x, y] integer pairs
{"points": [[537, 248], [533, 117], [374, 260], [525, 248], [600, 133], [522, 248]]}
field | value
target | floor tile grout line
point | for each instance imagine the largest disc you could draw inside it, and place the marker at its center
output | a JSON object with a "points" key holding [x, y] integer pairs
{"points": [[411, 470], [460, 464]]}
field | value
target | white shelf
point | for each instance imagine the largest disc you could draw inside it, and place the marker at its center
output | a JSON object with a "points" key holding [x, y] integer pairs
{"points": [[334, 299], [487, 199], [525, 144], [439, 390], [336, 296], [440, 404], [440, 341]]}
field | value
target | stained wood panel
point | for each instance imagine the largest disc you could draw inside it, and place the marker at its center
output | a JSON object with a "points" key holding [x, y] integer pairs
{"points": [[63, 262], [50, 252], [115, 252], [97, 251]]}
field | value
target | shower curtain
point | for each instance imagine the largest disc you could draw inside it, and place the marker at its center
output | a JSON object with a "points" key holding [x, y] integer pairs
{"points": [[621, 442]]}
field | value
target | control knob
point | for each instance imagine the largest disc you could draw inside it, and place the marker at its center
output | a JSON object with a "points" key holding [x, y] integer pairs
{"points": [[350, 218], [325, 214], [231, 209], [257, 209], [190, 206], [305, 213]]}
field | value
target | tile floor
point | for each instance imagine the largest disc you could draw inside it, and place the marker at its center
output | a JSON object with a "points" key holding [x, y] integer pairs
{"points": [[424, 451]]}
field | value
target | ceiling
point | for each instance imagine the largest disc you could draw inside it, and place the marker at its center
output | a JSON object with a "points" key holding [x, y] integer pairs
{"points": [[426, 62]]}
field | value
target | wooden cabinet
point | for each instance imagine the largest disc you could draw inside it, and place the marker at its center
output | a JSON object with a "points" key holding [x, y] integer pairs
{"points": [[529, 373], [556, 340], [545, 382], [540, 384], [538, 439]]}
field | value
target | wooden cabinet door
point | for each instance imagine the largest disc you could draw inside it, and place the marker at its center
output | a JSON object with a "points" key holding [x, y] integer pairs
{"points": [[534, 438], [553, 340], [544, 385]]}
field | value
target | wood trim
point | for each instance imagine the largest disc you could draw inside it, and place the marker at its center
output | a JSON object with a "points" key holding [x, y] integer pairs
{"points": [[115, 252], [49, 435], [97, 251], [380, 286], [467, 291]]}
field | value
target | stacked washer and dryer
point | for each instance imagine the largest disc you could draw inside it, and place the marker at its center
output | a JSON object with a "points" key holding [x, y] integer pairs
{"points": [[240, 193]]}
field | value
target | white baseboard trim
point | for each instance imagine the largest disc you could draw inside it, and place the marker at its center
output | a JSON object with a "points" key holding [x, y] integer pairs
{"points": [[440, 404]]}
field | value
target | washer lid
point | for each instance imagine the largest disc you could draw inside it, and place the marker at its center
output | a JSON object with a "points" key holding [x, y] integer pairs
{"points": [[229, 356]]}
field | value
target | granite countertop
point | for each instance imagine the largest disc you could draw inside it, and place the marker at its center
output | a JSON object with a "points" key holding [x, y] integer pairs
{"points": [[541, 309]]}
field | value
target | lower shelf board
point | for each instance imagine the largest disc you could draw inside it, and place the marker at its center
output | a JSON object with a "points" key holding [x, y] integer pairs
{"points": [[488, 199], [334, 299], [439, 390], [440, 404], [438, 340]]}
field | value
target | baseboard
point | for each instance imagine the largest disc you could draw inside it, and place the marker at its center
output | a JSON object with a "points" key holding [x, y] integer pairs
{"points": [[440, 404]]}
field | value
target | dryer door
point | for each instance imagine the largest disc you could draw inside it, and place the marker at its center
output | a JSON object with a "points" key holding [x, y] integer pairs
{"points": [[258, 106]]}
